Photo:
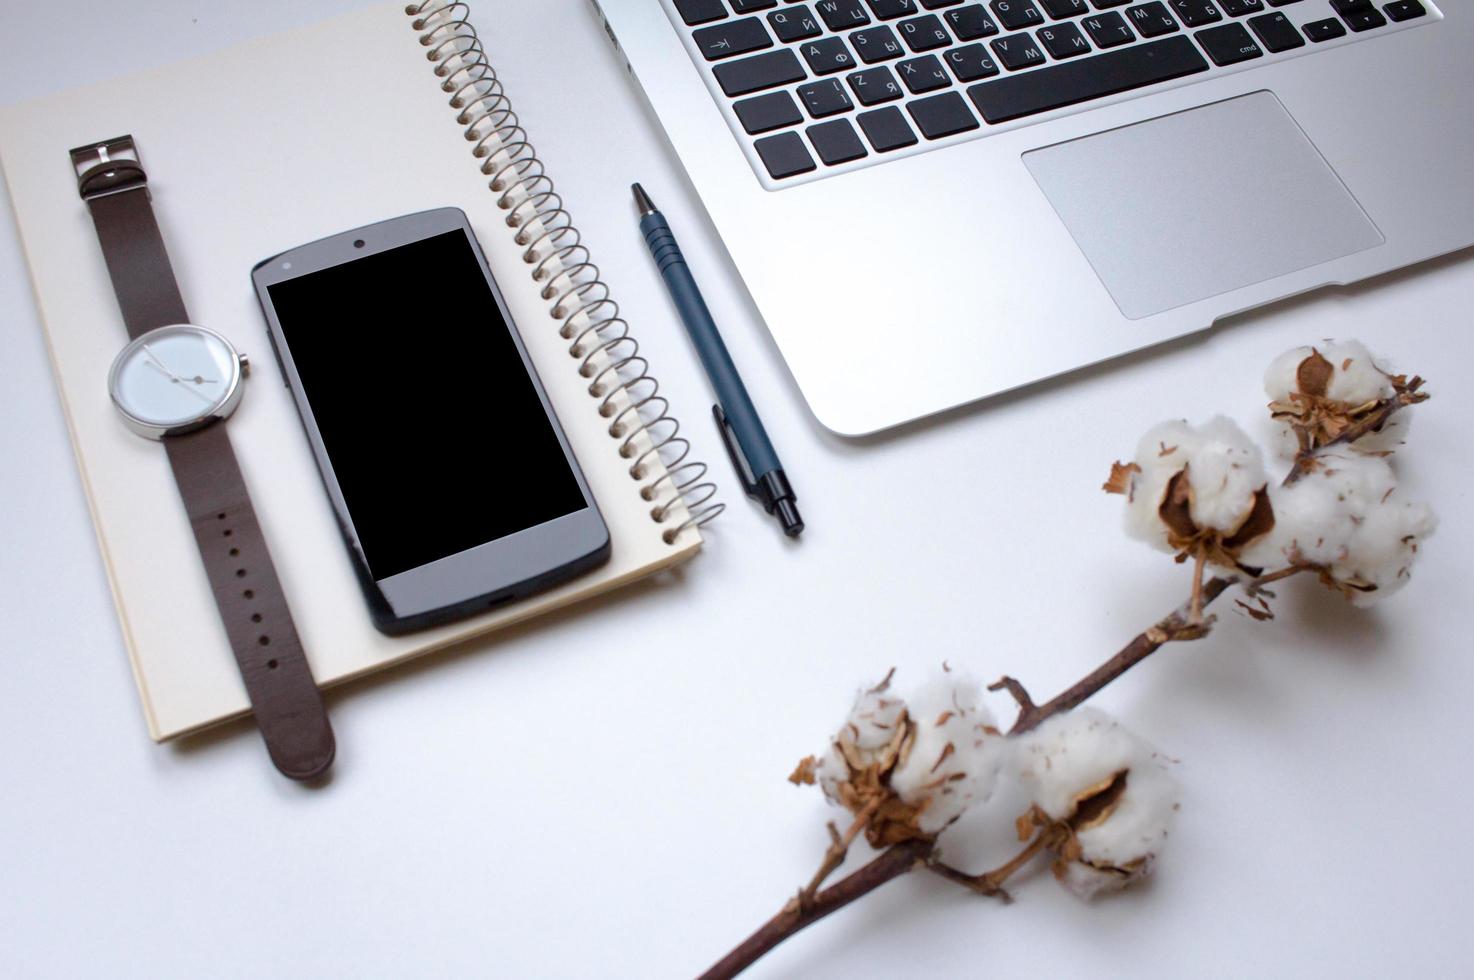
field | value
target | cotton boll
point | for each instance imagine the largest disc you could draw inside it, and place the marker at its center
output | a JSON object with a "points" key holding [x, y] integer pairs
{"points": [[869, 737], [911, 766], [953, 760], [1108, 788], [1224, 467], [1346, 517], [1348, 383]]}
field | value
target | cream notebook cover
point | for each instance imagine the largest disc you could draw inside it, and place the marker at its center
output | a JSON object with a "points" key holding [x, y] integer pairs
{"points": [[258, 149]]}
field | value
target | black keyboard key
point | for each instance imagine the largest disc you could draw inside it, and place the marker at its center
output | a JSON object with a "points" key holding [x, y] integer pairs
{"points": [[970, 63], [1064, 8], [1282, 3], [924, 74], [836, 142], [751, 6], [700, 11], [767, 112], [826, 97], [794, 24], [785, 155], [971, 22], [1366, 20], [1108, 30], [1276, 32], [841, 15], [1238, 8], [828, 54], [938, 4], [886, 129], [1195, 13], [925, 33], [1151, 20], [1401, 10], [890, 9], [875, 85], [1017, 14], [1105, 4], [1229, 44], [759, 72], [1348, 7], [1078, 81], [732, 38], [942, 115], [1063, 40], [875, 44], [1325, 30], [1018, 51]]}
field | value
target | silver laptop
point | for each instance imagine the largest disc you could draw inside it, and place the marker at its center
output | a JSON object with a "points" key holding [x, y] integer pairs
{"points": [[933, 201]]}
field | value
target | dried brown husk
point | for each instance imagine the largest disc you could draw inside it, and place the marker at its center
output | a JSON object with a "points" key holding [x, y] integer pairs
{"points": [[1092, 807], [1318, 419], [865, 787], [1184, 535]]}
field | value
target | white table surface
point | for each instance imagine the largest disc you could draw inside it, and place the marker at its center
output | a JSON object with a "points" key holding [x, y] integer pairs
{"points": [[603, 794]]}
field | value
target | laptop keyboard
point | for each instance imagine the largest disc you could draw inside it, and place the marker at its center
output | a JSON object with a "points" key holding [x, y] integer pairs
{"points": [[814, 85]]}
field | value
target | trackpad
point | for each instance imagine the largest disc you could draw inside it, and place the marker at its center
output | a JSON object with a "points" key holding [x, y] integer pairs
{"points": [[1187, 206]]}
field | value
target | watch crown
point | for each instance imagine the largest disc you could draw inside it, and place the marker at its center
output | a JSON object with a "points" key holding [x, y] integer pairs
{"points": [[245, 365]]}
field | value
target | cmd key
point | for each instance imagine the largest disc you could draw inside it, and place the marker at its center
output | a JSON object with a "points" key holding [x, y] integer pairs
{"points": [[1087, 78]]}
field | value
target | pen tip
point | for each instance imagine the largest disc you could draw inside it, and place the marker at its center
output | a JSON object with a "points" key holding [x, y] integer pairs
{"points": [[647, 206]]}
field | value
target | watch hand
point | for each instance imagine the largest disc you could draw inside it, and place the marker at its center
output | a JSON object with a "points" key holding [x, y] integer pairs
{"points": [[158, 363], [178, 380]]}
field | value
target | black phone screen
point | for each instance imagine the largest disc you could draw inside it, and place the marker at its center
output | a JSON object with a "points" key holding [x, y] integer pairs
{"points": [[433, 427]]}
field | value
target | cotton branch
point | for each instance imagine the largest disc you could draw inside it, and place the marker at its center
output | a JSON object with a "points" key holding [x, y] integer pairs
{"points": [[906, 769], [892, 863]]}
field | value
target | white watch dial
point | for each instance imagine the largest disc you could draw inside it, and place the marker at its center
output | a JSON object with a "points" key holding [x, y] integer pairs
{"points": [[175, 378]]}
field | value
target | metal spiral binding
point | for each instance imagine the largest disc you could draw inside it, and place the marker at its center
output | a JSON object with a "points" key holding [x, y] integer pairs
{"points": [[599, 338]]}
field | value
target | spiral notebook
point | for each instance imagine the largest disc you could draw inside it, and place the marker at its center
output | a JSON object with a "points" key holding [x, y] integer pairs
{"points": [[260, 148]]}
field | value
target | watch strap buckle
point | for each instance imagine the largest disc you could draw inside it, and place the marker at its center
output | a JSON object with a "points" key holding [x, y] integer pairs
{"points": [[109, 166]]}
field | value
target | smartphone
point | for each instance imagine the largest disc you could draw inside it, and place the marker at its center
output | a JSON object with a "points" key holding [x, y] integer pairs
{"points": [[453, 483]]}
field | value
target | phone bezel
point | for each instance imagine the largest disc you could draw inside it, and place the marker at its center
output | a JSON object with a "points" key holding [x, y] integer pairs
{"points": [[486, 575]]}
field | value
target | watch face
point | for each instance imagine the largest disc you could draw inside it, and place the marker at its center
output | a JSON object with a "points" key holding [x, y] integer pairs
{"points": [[175, 379]]}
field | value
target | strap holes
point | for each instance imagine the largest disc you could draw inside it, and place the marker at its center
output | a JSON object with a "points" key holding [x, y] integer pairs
{"points": [[226, 533], [240, 573], [234, 552], [249, 594], [220, 517], [265, 641], [255, 617], [272, 665]]}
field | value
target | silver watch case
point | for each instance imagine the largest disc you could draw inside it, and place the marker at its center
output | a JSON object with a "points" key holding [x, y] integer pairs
{"points": [[219, 412]]}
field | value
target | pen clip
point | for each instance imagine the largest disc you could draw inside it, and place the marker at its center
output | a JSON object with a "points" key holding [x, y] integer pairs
{"points": [[734, 452]]}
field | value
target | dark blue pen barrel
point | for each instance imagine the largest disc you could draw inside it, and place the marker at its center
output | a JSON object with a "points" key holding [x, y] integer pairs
{"points": [[730, 391]]}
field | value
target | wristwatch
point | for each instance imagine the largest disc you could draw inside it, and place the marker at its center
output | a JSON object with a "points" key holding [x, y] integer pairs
{"points": [[176, 382]]}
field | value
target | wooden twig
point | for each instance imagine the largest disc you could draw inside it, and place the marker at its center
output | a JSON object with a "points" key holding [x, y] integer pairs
{"points": [[892, 863]]}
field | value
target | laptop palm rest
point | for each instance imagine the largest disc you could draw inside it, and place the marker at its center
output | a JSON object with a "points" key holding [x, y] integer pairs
{"points": [[1187, 206]]}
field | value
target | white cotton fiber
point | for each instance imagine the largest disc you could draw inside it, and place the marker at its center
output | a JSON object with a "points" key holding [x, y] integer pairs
{"points": [[1073, 756], [953, 762], [1224, 467], [1348, 517]]}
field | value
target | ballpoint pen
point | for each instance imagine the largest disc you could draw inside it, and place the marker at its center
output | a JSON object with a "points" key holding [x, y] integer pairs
{"points": [[741, 430]]}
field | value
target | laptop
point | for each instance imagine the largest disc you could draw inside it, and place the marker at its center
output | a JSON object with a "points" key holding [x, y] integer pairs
{"points": [[935, 201]]}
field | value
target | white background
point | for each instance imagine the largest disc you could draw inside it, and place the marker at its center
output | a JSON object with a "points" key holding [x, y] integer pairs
{"points": [[603, 794]]}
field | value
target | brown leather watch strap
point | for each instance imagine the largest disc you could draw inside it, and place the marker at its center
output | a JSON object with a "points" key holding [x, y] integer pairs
{"points": [[137, 262], [253, 607], [284, 697]]}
